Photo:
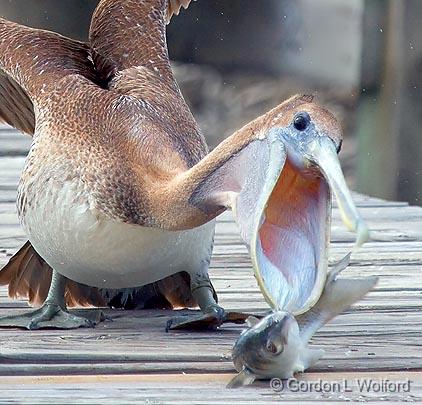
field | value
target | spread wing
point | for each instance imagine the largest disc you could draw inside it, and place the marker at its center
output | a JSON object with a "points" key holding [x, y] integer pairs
{"points": [[174, 6], [132, 33], [32, 61], [16, 108], [131, 36]]}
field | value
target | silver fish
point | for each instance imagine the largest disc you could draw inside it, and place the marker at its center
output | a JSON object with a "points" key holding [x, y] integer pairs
{"points": [[277, 345]]}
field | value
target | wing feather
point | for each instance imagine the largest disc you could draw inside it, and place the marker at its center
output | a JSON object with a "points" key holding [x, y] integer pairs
{"points": [[16, 108], [174, 7], [132, 33], [32, 62]]}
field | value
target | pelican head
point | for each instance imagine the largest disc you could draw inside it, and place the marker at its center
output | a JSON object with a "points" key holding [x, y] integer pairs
{"points": [[313, 140], [290, 235]]}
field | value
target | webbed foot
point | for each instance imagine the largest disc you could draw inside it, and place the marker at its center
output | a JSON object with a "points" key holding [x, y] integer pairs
{"points": [[52, 316], [212, 315], [211, 319]]}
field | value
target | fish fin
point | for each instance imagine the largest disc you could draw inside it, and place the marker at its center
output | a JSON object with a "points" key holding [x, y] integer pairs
{"points": [[252, 321], [245, 377], [338, 268], [338, 295], [311, 357]]}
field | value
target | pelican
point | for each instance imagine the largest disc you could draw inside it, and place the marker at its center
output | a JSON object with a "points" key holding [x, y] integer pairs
{"points": [[119, 193]]}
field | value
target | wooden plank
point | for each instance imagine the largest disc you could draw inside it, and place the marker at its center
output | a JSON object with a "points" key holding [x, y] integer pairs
{"points": [[13, 143], [206, 388], [354, 340], [132, 358]]}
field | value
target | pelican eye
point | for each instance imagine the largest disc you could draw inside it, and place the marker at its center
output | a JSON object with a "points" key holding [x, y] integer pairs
{"points": [[301, 121]]}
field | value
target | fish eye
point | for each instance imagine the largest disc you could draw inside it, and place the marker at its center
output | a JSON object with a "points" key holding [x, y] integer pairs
{"points": [[272, 348], [301, 121]]}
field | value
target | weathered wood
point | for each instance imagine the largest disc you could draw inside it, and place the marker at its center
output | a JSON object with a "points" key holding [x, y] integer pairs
{"points": [[204, 388], [131, 359], [13, 143]]}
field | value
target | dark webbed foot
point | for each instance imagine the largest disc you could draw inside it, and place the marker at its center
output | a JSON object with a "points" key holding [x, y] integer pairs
{"points": [[210, 320], [52, 316], [212, 315]]}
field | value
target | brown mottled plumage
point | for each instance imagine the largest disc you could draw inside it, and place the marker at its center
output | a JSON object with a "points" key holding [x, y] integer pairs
{"points": [[119, 190], [67, 78]]}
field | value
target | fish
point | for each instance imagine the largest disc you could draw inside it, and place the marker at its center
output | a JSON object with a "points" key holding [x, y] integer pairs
{"points": [[277, 346]]}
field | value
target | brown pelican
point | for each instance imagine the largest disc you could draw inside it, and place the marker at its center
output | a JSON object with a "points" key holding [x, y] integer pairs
{"points": [[119, 190]]}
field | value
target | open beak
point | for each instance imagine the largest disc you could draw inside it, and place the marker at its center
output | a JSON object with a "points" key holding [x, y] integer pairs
{"points": [[290, 240], [322, 153]]}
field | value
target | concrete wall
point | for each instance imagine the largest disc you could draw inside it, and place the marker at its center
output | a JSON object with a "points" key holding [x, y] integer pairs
{"points": [[390, 144], [319, 39], [324, 40], [69, 17]]}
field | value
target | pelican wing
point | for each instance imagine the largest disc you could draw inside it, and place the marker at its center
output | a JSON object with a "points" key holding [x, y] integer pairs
{"points": [[32, 62], [174, 6], [132, 34], [16, 108]]}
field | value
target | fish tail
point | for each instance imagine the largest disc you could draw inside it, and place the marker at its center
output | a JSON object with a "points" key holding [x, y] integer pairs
{"points": [[245, 377], [338, 295]]}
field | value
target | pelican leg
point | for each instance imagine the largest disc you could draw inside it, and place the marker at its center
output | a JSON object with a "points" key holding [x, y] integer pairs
{"points": [[213, 315], [53, 314]]}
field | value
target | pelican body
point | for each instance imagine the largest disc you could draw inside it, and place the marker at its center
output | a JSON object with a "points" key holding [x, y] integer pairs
{"points": [[85, 245], [119, 190]]}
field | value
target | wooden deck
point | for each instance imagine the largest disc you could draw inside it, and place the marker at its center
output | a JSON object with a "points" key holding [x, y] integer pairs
{"points": [[132, 360]]}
